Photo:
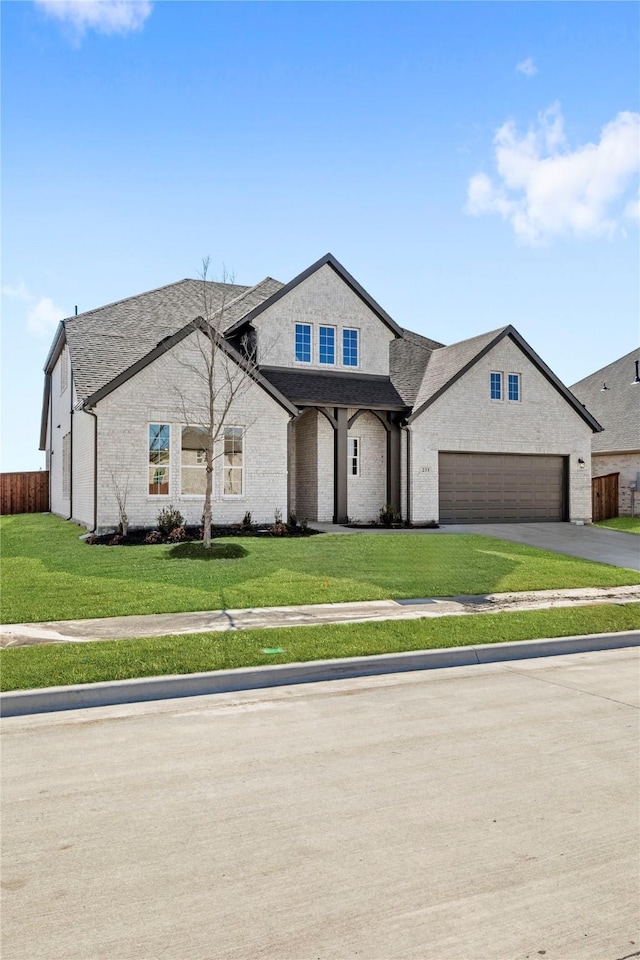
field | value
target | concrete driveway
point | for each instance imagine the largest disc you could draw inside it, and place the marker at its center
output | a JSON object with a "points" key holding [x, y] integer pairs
{"points": [[474, 813], [588, 542]]}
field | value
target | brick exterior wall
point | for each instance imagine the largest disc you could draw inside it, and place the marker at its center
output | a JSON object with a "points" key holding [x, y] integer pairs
{"points": [[628, 466], [155, 396], [305, 451], [59, 427], [465, 419], [323, 298], [367, 494], [82, 466]]}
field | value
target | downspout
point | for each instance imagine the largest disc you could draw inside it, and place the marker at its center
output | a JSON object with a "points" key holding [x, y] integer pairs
{"points": [[50, 435], [70, 448], [95, 467]]}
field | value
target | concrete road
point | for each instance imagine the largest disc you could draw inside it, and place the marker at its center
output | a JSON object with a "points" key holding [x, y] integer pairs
{"points": [[466, 814]]}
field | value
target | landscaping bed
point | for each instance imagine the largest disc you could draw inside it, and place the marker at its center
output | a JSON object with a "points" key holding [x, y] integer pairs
{"points": [[188, 534]]}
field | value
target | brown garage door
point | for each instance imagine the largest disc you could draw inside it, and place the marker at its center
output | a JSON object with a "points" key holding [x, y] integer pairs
{"points": [[501, 488]]}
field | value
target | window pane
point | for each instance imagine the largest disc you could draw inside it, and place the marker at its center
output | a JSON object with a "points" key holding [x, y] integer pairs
{"points": [[194, 481], [159, 481], [193, 461], [327, 345], [353, 456], [350, 348], [514, 386], [158, 436], [496, 386], [303, 342], [233, 461], [232, 482]]}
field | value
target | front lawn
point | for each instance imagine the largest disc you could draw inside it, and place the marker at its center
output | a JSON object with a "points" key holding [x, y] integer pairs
{"points": [[49, 574], [626, 524], [61, 664]]}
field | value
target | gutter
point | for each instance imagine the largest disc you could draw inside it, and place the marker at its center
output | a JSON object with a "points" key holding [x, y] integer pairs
{"points": [[95, 466], [407, 431]]}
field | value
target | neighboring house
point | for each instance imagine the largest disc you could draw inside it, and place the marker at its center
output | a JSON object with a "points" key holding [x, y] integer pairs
{"points": [[612, 395], [345, 412]]}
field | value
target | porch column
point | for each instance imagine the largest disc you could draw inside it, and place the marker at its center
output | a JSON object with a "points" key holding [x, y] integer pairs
{"points": [[340, 513], [393, 464]]}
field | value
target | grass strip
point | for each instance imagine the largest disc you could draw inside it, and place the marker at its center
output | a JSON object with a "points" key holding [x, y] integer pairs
{"points": [[25, 668], [49, 574], [625, 524]]}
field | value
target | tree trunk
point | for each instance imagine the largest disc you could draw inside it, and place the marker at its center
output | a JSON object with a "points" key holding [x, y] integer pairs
{"points": [[206, 518]]}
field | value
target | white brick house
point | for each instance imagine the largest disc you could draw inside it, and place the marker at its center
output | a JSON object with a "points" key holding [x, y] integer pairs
{"points": [[341, 412]]}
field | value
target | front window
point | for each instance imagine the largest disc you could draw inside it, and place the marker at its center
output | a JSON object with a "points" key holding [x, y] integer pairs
{"points": [[514, 386], [327, 345], [353, 456], [496, 386], [159, 459], [193, 462], [303, 342], [233, 464], [350, 348]]}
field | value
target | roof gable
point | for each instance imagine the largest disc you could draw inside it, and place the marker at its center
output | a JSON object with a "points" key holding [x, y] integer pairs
{"points": [[330, 261], [617, 407], [448, 364]]}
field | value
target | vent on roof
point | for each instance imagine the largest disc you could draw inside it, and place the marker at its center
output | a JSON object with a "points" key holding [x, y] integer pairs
{"points": [[637, 376]]}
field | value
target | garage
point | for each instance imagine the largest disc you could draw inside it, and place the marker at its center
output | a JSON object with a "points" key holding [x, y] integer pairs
{"points": [[501, 488]]}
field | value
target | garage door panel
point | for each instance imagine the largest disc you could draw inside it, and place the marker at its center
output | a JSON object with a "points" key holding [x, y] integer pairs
{"points": [[476, 488]]}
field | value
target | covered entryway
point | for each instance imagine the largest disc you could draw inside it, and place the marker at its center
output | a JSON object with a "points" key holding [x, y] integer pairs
{"points": [[501, 488], [604, 497]]}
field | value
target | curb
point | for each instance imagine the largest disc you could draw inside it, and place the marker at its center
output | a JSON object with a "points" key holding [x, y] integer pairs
{"points": [[79, 696]]}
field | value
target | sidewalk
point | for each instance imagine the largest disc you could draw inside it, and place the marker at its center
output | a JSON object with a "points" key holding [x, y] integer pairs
{"points": [[158, 625]]}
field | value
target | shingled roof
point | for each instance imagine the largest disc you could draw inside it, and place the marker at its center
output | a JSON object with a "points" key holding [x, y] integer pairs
{"points": [[105, 342], [351, 389], [617, 408], [408, 359]]}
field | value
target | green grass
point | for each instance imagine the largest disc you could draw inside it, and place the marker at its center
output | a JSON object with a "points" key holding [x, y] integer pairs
{"points": [[626, 524], [49, 574], [60, 664]]}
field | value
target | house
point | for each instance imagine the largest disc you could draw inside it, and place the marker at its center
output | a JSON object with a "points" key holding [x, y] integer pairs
{"points": [[342, 411], [612, 395]]}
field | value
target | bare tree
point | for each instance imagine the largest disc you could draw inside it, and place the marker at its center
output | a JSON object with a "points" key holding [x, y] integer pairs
{"points": [[220, 373], [119, 478]]}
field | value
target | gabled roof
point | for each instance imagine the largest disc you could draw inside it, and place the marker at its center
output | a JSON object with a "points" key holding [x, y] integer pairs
{"points": [[105, 342], [165, 345], [447, 364], [617, 408], [330, 261], [310, 387], [408, 359]]}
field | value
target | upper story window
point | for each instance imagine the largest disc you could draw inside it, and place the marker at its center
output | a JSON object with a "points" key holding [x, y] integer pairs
{"points": [[327, 344], [159, 459], [514, 386], [496, 386], [350, 348], [303, 342]]}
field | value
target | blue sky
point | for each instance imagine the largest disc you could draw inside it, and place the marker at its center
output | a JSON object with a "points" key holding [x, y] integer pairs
{"points": [[471, 164]]}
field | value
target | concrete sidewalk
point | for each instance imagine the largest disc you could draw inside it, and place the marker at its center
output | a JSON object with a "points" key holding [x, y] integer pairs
{"points": [[158, 625]]}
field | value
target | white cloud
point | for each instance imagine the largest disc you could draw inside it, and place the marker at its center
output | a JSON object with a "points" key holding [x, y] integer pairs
{"points": [[527, 66], [547, 190], [103, 16], [42, 315]]}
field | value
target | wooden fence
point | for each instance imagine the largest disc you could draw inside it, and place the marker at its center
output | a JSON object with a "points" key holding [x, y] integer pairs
{"points": [[24, 492]]}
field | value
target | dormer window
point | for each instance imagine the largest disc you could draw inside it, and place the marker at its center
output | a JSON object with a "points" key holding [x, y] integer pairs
{"points": [[350, 348], [303, 342], [327, 352]]}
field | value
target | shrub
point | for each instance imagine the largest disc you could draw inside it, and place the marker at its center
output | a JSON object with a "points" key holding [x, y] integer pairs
{"points": [[154, 537], [115, 540], [279, 530], [293, 521], [177, 535], [277, 517], [389, 515], [247, 521], [169, 518], [91, 538]]}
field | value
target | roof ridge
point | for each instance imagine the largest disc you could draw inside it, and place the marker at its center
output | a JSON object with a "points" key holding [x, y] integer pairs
{"points": [[145, 293], [602, 370]]}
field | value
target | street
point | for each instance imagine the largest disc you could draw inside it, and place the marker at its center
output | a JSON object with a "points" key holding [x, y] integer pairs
{"points": [[473, 813]]}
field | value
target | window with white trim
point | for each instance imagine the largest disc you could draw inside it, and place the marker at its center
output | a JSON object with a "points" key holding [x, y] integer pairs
{"points": [[327, 345], [193, 462], [233, 462], [159, 454], [513, 387], [349, 347], [496, 386], [353, 456], [303, 342], [66, 466]]}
